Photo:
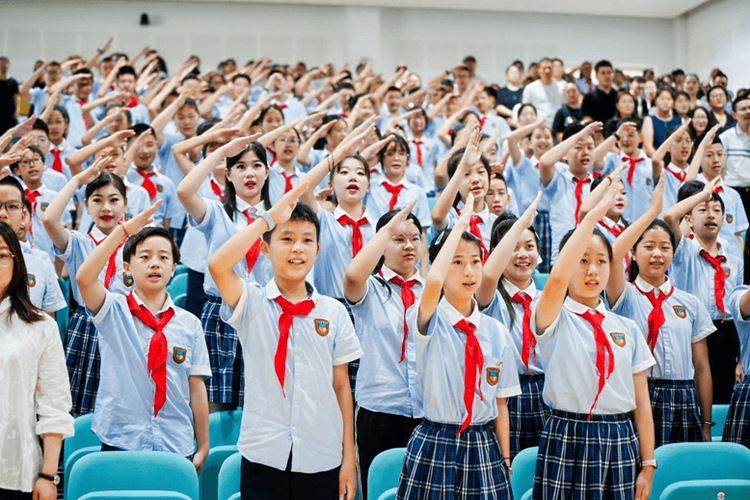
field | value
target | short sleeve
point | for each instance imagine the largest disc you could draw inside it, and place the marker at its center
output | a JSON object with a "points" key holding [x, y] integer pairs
{"points": [[52, 396], [53, 299], [105, 312], [509, 383], [346, 346], [241, 317], [703, 325], [200, 364], [642, 357]]}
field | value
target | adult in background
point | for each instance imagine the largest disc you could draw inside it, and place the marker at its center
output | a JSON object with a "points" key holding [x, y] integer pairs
{"points": [[736, 141], [599, 105], [10, 98], [544, 93]]}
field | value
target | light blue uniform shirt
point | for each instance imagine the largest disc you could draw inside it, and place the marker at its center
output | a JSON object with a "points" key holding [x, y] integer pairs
{"points": [[171, 208], [485, 225], [695, 275], [686, 321], [293, 109], [38, 96], [66, 149], [378, 199], [499, 310], [384, 383], [431, 154], [561, 202], [77, 128], [194, 250], [568, 353], [735, 219], [743, 325], [523, 179], [441, 364], [44, 289], [639, 193], [336, 251], [308, 420], [170, 169], [124, 412], [53, 180], [38, 235], [672, 184], [493, 123]]}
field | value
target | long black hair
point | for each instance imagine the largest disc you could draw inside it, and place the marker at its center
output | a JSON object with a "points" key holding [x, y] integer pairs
{"points": [[230, 194], [18, 288], [656, 224], [385, 219]]}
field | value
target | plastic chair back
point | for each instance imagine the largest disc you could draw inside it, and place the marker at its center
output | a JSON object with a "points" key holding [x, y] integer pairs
{"points": [[718, 415], [229, 477], [72, 459], [524, 467], [699, 461], [83, 437], [389, 494], [385, 472], [209, 478], [729, 489], [135, 495], [133, 471], [180, 269], [540, 279], [224, 428], [178, 285]]}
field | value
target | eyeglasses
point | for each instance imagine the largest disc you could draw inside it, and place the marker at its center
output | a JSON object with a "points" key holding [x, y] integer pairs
{"points": [[6, 258], [12, 207], [27, 163], [401, 241], [288, 140]]}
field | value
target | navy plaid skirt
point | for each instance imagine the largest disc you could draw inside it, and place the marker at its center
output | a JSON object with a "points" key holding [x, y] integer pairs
{"points": [[544, 231], [226, 384], [737, 426], [580, 460], [82, 360], [441, 465], [353, 365], [527, 413], [674, 404]]}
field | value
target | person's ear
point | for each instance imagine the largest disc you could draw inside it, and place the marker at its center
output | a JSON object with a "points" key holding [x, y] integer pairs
{"points": [[265, 249], [126, 266]]}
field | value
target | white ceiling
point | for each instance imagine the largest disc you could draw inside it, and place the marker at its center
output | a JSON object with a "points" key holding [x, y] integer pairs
{"points": [[628, 8]]}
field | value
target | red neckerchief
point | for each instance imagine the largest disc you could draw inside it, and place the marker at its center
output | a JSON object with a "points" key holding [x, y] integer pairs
{"points": [[288, 312], [419, 152], [631, 169], [394, 190], [111, 264], [602, 346], [474, 361], [252, 255], [656, 316], [407, 298], [579, 193], [719, 279], [57, 162], [529, 341], [357, 241], [148, 184]]}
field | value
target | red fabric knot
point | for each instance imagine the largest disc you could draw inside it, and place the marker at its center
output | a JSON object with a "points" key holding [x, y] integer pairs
{"points": [[408, 298], [680, 175], [251, 257], [614, 228], [57, 162], [132, 103], [419, 152], [631, 169], [394, 190], [656, 316], [111, 264], [529, 341], [474, 363], [288, 182], [603, 348], [148, 184], [482, 122], [474, 229], [288, 312], [719, 279], [718, 189], [32, 196], [217, 190], [357, 241]]}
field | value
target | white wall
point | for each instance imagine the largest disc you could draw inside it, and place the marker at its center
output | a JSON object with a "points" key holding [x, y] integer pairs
{"points": [[428, 40]]}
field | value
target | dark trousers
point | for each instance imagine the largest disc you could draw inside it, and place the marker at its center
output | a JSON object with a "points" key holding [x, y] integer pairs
{"points": [[196, 297], [14, 495], [261, 482], [179, 234], [723, 354], [744, 192], [377, 432]]}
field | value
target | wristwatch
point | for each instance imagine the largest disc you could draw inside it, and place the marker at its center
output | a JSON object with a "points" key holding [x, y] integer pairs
{"points": [[652, 463], [53, 479]]}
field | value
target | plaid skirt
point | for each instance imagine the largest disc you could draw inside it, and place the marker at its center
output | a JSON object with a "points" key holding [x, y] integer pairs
{"points": [[580, 460], [353, 365], [544, 231], [226, 384], [674, 404], [82, 360], [441, 465], [737, 425], [527, 413]]}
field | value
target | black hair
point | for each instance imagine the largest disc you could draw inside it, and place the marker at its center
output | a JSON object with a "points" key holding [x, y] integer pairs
{"points": [[634, 120], [18, 288], [40, 124], [456, 158], [242, 75], [708, 92], [439, 241], [33, 148], [385, 219], [337, 168], [191, 103], [202, 129], [267, 110], [321, 143], [230, 193], [668, 156], [397, 140], [572, 130], [664, 88], [741, 96], [602, 64], [393, 88], [596, 233], [140, 128], [656, 224], [125, 70], [62, 111], [13, 182], [690, 188], [128, 115], [84, 71], [131, 244], [527, 105], [191, 76], [302, 213], [105, 179], [490, 92]]}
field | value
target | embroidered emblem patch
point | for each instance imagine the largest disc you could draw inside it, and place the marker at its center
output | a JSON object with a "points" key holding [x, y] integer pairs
{"points": [[179, 354], [160, 188], [648, 181], [727, 271], [128, 217], [618, 338], [321, 327], [32, 280], [44, 207], [730, 218], [680, 311], [127, 280], [493, 374]]}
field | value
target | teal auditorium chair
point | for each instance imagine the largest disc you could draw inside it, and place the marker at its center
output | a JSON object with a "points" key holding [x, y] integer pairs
{"points": [[524, 466], [178, 285], [540, 279], [135, 495], [224, 427], [699, 461], [729, 489], [229, 478], [388, 494], [719, 415], [224, 430], [384, 472], [79, 445], [63, 315], [150, 474]]}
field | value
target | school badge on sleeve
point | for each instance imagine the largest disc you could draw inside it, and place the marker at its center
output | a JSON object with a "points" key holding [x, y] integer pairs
{"points": [[727, 271], [44, 207], [730, 218], [160, 188], [127, 280], [32, 280], [680, 311], [179, 354], [618, 338], [493, 374], [321, 327]]}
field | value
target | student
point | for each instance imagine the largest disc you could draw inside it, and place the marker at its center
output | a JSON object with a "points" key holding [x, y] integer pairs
{"points": [[508, 294], [391, 107], [423, 151], [284, 150], [465, 424], [612, 224], [703, 266], [125, 82], [674, 323], [624, 108], [655, 126], [498, 198], [736, 428], [161, 404], [245, 197], [80, 122], [672, 156], [106, 203], [296, 343], [595, 379], [489, 121], [60, 149], [39, 135], [380, 284]]}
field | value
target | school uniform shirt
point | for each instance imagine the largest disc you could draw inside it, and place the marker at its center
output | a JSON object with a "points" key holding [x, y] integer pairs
{"points": [[44, 289], [124, 413], [217, 228], [523, 179], [170, 169], [171, 208], [61, 151], [138, 201], [674, 177], [38, 96], [77, 127], [53, 180], [194, 249], [639, 191], [611, 229], [223, 104], [27, 247], [484, 224], [491, 123], [79, 248], [386, 116], [568, 353], [498, 309], [38, 235], [428, 151], [742, 324], [686, 321], [336, 251], [35, 399], [316, 156], [378, 200], [307, 422], [385, 384], [292, 109], [737, 147], [441, 364], [695, 275], [735, 219]]}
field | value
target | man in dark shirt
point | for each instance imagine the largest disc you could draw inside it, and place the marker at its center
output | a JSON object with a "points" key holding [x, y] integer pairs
{"points": [[599, 105], [510, 95], [9, 97]]}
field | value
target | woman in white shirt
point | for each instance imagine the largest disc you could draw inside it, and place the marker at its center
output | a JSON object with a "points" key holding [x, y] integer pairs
{"points": [[35, 400]]}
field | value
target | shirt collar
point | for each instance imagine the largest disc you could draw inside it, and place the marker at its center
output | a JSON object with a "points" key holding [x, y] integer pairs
{"points": [[569, 175], [338, 212], [242, 205], [389, 273], [578, 308], [513, 289], [39, 190], [278, 168], [484, 214], [607, 222], [272, 291], [402, 182], [647, 287], [454, 316], [703, 179], [61, 147], [168, 304], [97, 234], [672, 168], [641, 154]]}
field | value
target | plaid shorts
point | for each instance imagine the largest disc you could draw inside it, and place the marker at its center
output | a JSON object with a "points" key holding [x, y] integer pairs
{"points": [[737, 425], [674, 404], [580, 460], [82, 360], [226, 384], [544, 231], [527, 413], [441, 465]]}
